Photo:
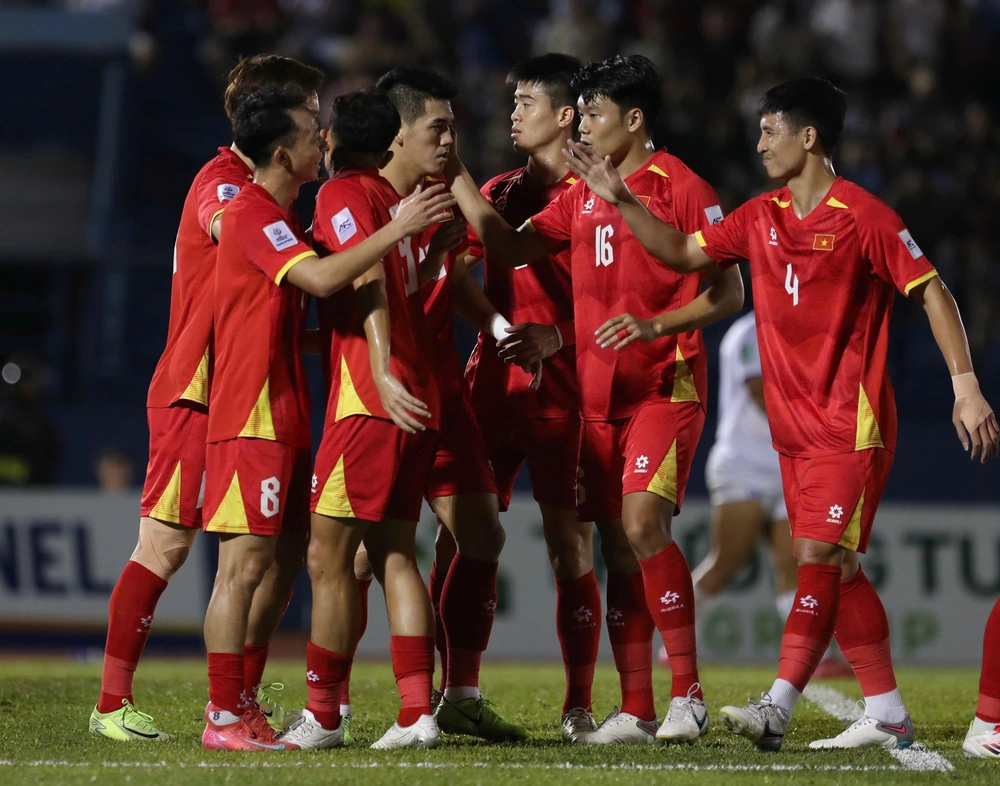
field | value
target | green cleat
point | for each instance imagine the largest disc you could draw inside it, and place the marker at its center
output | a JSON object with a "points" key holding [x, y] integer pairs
{"points": [[278, 718], [127, 725], [345, 721], [477, 718]]}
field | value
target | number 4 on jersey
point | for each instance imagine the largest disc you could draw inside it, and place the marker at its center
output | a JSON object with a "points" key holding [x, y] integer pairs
{"points": [[792, 284]]}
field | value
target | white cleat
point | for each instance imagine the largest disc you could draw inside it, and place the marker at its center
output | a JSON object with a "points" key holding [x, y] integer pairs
{"points": [[982, 744], [575, 722], [422, 734], [620, 727], [307, 734], [686, 721], [868, 732], [761, 722]]}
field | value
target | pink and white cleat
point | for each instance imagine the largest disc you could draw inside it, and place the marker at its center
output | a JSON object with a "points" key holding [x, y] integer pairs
{"points": [[249, 732]]}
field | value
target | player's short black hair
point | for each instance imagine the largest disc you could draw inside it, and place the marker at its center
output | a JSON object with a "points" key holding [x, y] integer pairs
{"points": [[364, 121], [809, 101], [553, 71], [263, 122], [266, 71], [631, 81], [409, 89]]}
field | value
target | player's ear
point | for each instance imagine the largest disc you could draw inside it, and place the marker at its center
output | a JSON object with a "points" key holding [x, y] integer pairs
{"points": [[566, 116], [281, 158], [809, 138], [634, 119]]}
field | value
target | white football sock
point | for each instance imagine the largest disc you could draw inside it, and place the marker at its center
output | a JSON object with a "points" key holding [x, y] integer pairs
{"points": [[461, 693], [785, 696], [345, 709], [979, 725], [886, 707], [221, 717]]}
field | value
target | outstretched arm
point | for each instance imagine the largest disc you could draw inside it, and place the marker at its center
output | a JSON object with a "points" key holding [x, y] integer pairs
{"points": [[722, 297], [972, 416], [674, 249]]}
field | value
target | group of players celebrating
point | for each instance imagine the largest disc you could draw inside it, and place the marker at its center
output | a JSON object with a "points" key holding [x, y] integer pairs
{"points": [[604, 257]]}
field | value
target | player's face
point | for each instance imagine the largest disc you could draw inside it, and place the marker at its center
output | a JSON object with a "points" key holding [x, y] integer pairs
{"points": [[310, 145], [782, 148], [427, 143], [534, 123], [604, 128]]}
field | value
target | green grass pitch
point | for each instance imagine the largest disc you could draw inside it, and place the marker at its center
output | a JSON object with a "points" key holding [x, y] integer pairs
{"points": [[45, 706]]}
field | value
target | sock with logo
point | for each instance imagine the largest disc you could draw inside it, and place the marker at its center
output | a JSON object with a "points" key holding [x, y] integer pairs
{"points": [[468, 606], [130, 616], [670, 598], [345, 699], [630, 629], [988, 708], [862, 632], [413, 667], [808, 631], [435, 585], [326, 673], [578, 624], [225, 683]]}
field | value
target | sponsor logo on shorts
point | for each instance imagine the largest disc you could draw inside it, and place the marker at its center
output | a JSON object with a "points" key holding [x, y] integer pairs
{"points": [[641, 464], [836, 515]]}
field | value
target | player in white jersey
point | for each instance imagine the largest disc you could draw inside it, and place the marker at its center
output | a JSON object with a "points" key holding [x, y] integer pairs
{"points": [[744, 482]]}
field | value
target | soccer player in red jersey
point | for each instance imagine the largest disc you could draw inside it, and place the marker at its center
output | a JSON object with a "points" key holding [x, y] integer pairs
{"points": [[383, 411], [177, 409], [257, 461], [642, 409], [983, 738], [461, 489], [541, 427], [825, 256]]}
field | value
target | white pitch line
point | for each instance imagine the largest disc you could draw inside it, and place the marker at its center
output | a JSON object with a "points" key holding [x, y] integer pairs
{"points": [[917, 757], [280, 765]]}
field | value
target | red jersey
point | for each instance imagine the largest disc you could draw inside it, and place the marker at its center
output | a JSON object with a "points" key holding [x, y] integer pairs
{"points": [[350, 207], [182, 372], [542, 293], [823, 292], [439, 306], [613, 273], [259, 386]]}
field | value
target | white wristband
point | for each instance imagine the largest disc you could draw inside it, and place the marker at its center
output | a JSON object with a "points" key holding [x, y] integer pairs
{"points": [[496, 327], [559, 333], [965, 384]]}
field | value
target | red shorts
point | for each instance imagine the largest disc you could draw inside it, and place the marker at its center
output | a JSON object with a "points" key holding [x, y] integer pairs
{"points": [[175, 477], [368, 468], [650, 451], [549, 445], [256, 487], [462, 463], [833, 499]]}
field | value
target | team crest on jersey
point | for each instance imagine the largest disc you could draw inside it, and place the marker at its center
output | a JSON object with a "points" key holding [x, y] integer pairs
{"points": [[588, 206], [280, 235], [226, 191], [823, 242], [911, 244], [344, 226]]}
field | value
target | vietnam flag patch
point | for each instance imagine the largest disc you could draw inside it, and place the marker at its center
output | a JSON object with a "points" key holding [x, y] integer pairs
{"points": [[644, 199], [823, 242]]}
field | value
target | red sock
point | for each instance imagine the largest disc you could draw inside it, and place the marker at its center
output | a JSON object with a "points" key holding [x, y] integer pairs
{"points": [[225, 682], [130, 615], [862, 632], [413, 665], [363, 586], [630, 629], [254, 660], [809, 627], [988, 708], [468, 606], [436, 585], [666, 578], [326, 673], [578, 623]]}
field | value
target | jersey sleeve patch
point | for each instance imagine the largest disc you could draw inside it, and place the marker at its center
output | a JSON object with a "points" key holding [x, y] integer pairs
{"points": [[344, 225], [226, 191], [713, 214], [911, 244], [280, 235]]}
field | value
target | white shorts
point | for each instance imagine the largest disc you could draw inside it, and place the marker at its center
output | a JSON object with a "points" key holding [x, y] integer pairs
{"points": [[732, 479]]}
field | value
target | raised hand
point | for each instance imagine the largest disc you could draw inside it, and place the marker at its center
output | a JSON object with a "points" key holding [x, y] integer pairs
{"points": [[449, 236], [975, 421], [424, 208], [627, 329], [528, 343], [399, 404], [601, 177]]}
